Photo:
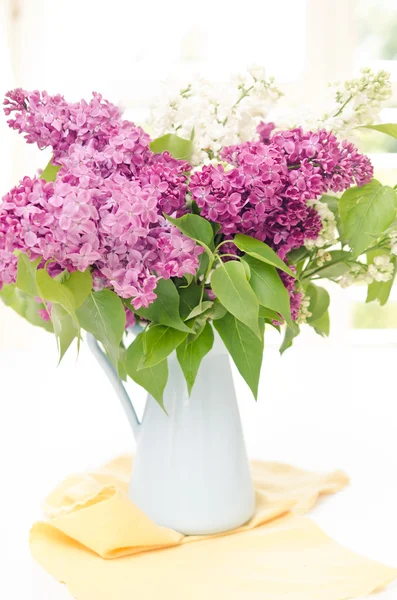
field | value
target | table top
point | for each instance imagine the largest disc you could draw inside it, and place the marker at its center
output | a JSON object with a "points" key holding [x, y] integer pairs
{"points": [[322, 406]]}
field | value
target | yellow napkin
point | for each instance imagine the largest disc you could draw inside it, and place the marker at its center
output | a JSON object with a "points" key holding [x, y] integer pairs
{"points": [[278, 555]]}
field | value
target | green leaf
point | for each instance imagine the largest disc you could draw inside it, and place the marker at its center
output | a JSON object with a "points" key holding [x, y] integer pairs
{"points": [[261, 251], [297, 255], [266, 313], [178, 147], [159, 342], [204, 261], [165, 309], [24, 305], [80, 285], [387, 128], [244, 346], [189, 298], [195, 227], [230, 285], [290, 334], [366, 213], [53, 291], [50, 172], [269, 288], [26, 274], [191, 354], [152, 379], [122, 371], [198, 310], [64, 328], [189, 278], [102, 314], [319, 302], [337, 266], [217, 311], [321, 325]]}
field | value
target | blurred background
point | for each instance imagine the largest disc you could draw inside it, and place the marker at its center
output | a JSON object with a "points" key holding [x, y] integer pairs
{"points": [[324, 404]]}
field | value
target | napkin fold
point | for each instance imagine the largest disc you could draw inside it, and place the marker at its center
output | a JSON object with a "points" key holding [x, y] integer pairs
{"points": [[277, 555]]}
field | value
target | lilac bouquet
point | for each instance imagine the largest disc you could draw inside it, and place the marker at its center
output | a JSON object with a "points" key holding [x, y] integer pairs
{"points": [[228, 227]]}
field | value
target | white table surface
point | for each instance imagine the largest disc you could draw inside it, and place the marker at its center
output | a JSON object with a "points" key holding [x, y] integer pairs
{"points": [[322, 406]]}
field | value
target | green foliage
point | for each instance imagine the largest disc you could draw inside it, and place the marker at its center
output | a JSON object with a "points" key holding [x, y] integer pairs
{"points": [[189, 299], [26, 274], [260, 251], [159, 342], [366, 213], [217, 311], [297, 255], [102, 314], [51, 290], [269, 288], [65, 328], [165, 309], [152, 379], [290, 334], [191, 353], [24, 305], [50, 172], [387, 128], [80, 285], [204, 261], [230, 285], [195, 227], [269, 315], [245, 348], [322, 324], [175, 145], [201, 308], [319, 302], [337, 266]]}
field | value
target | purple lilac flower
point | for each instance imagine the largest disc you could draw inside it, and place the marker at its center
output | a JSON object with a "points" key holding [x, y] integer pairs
{"points": [[105, 209], [264, 190]]}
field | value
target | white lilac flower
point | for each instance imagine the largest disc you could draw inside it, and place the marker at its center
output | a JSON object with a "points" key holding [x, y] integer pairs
{"points": [[215, 115], [357, 102], [381, 269], [358, 273], [351, 104], [328, 235], [304, 312], [393, 242], [321, 257]]}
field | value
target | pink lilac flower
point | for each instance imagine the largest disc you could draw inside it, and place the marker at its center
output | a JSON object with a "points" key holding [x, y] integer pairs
{"points": [[264, 190], [105, 209]]}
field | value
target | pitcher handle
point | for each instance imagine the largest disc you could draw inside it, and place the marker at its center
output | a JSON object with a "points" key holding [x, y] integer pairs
{"points": [[116, 383]]}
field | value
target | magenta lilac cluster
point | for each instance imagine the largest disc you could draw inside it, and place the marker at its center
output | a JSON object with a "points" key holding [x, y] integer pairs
{"points": [[105, 209], [263, 189]]}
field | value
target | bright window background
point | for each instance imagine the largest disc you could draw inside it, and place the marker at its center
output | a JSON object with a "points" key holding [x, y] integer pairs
{"points": [[126, 49]]}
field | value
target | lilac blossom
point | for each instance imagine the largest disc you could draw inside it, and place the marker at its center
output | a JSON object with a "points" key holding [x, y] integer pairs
{"points": [[105, 209], [264, 189]]}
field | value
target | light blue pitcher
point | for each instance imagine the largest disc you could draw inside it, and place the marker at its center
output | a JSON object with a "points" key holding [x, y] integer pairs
{"points": [[191, 471]]}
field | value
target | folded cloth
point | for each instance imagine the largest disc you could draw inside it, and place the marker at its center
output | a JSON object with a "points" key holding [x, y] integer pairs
{"points": [[277, 555]]}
